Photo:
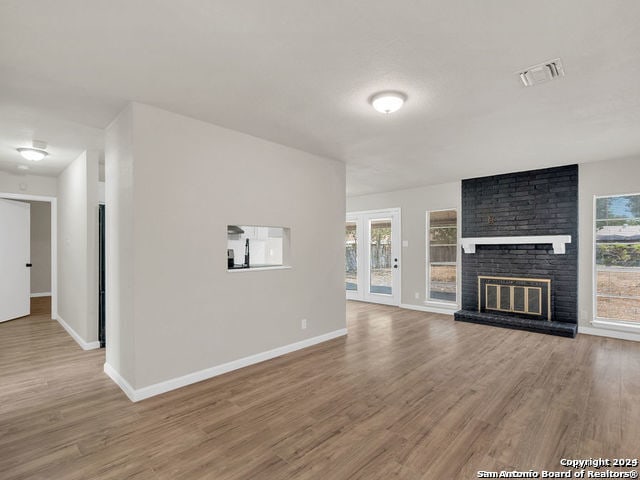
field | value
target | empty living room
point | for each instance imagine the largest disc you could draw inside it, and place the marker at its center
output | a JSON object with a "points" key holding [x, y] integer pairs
{"points": [[298, 240]]}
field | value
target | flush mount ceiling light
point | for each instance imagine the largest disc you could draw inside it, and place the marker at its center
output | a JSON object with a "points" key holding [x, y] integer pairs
{"points": [[388, 102], [35, 153], [32, 154]]}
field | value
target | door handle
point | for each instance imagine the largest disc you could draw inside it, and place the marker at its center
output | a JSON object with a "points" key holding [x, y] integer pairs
{"points": [[29, 265], [395, 266]]}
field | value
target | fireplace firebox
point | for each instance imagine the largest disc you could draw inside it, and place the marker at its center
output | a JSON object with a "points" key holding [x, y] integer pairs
{"points": [[530, 297]]}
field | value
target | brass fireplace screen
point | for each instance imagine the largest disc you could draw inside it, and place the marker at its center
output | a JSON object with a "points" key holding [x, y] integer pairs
{"points": [[528, 297]]}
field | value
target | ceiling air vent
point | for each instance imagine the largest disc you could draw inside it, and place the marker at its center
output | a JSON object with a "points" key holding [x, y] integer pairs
{"points": [[542, 73]]}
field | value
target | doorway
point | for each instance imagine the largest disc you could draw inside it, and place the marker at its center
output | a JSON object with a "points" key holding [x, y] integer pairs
{"points": [[53, 246], [372, 256]]}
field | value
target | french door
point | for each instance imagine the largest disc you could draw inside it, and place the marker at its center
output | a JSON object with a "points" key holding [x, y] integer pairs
{"points": [[372, 256]]}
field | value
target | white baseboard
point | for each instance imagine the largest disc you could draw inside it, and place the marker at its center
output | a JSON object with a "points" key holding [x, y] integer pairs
{"points": [[135, 395], [121, 382], [84, 345], [44, 294], [602, 332], [430, 309]]}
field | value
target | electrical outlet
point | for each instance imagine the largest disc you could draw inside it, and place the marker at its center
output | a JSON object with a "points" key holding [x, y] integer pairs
{"points": [[417, 295], [303, 324]]}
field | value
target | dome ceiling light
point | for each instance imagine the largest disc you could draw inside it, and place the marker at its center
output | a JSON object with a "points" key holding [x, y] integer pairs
{"points": [[388, 102], [36, 152]]}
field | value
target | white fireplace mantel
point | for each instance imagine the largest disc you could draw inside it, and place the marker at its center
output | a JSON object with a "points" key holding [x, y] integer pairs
{"points": [[558, 241]]}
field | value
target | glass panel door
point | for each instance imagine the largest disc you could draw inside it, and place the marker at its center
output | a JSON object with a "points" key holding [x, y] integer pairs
{"points": [[354, 266], [382, 278], [372, 256], [380, 268], [351, 256]]}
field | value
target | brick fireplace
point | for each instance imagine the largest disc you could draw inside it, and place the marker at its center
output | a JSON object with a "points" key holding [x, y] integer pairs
{"points": [[520, 255]]}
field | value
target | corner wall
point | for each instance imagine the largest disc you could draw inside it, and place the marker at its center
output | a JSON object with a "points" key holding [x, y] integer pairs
{"points": [[414, 204], [174, 184], [119, 328], [77, 249]]}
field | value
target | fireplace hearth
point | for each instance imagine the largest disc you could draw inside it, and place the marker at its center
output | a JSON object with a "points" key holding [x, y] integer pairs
{"points": [[520, 256], [562, 329]]}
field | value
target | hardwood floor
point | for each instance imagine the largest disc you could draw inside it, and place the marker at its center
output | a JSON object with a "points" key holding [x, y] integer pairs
{"points": [[41, 306], [406, 395]]}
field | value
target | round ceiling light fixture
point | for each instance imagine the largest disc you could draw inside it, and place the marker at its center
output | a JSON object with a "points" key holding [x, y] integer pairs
{"points": [[33, 154], [36, 152], [388, 102]]}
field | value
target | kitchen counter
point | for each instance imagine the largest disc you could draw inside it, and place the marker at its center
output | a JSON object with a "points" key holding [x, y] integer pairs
{"points": [[240, 268]]}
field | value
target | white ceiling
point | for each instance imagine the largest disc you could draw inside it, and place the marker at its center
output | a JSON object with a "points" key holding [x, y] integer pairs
{"points": [[19, 125], [299, 72]]}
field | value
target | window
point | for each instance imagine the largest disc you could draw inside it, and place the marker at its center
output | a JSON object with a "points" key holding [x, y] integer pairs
{"points": [[617, 262], [442, 255]]}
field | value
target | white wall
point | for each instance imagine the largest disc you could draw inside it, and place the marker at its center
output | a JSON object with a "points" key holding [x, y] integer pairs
{"points": [[28, 184], [101, 193], [414, 204], [613, 177], [172, 189], [77, 246], [40, 247], [119, 230]]}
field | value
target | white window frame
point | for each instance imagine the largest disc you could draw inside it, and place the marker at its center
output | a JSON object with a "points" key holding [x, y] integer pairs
{"points": [[428, 300], [596, 320]]}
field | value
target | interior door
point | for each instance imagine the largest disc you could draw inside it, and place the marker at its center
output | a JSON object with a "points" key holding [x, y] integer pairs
{"points": [[372, 256], [15, 253]]}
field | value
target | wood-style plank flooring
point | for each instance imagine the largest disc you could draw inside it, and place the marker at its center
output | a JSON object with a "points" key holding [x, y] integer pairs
{"points": [[406, 395]]}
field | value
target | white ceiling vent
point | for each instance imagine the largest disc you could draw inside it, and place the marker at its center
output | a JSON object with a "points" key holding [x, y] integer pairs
{"points": [[542, 73]]}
